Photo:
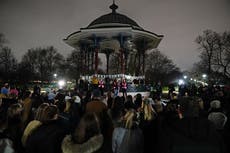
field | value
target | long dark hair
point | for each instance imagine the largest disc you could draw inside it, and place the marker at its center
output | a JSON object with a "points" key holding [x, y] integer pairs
{"points": [[88, 127]]}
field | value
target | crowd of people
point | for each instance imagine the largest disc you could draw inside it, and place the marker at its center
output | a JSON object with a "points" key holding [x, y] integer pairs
{"points": [[72, 121]]}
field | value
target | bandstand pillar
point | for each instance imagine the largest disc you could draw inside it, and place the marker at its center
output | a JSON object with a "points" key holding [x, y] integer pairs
{"points": [[96, 50], [121, 40]]}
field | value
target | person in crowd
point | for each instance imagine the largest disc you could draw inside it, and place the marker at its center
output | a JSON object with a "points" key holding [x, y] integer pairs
{"points": [[109, 100], [37, 90], [95, 82], [158, 106], [115, 87], [87, 137], [124, 87], [81, 83], [183, 90], [148, 125], [129, 104], [159, 90], [138, 101], [117, 111], [100, 108], [51, 96], [5, 89], [13, 91], [128, 137], [76, 105], [6, 142], [85, 100], [216, 116], [190, 133], [171, 90], [37, 99], [39, 117], [14, 127], [101, 86], [96, 105], [47, 137], [27, 108], [65, 115]]}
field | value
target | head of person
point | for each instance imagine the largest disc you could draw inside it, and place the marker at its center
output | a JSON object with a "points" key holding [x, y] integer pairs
{"points": [[96, 94], [47, 113], [118, 108], [88, 127], [215, 105], [129, 98], [158, 107], [148, 111], [50, 113], [26, 94], [138, 97], [190, 107], [130, 119], [6, 85], [14, 114], [39, 111]]}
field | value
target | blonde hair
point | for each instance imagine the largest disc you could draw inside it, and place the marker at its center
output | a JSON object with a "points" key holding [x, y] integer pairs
{"points": [[148, 111], [39, 111], [129, 118]]}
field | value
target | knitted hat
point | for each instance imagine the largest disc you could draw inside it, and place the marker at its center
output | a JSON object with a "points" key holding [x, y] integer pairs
{"points": [[215, 104], [219, 119]]}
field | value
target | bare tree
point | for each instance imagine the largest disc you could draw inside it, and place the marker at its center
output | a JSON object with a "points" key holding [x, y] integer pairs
{"points": [[43, 61], [222, 56], [160, 68], [8, 62], [207, 43], [215, 52], [74, 65]]}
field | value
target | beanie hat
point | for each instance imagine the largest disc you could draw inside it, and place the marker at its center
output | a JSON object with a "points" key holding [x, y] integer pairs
{"points": [[215, 104]]}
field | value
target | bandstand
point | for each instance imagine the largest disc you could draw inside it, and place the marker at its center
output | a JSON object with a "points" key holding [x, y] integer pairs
{"points": [[114, 33]]}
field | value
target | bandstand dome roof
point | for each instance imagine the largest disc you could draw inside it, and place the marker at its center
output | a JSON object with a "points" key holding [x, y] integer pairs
{"points": [[113, 19]]}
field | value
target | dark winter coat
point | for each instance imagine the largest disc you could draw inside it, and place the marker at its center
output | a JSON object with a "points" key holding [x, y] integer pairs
{"points": [[189, 135], [46, 139]]}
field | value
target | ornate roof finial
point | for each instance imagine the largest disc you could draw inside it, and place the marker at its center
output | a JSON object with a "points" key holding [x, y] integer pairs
{"points": [[113, 7]]}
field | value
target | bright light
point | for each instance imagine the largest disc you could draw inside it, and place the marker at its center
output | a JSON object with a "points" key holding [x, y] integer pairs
{"points": [[61, 83], [180, 82], [204, 76], [185, 76], [55, 75], [191, 79]]}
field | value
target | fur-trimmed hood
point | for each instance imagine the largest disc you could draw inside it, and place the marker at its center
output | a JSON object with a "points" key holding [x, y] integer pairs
{"points": [[90, 146]]}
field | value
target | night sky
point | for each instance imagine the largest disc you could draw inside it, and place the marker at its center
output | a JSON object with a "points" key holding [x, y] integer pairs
{"points": [[40, 23]]}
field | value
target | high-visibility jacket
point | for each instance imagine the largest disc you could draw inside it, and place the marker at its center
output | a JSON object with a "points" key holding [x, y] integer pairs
{"points": [[101, 84], [124, 85], [94, 80]]}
